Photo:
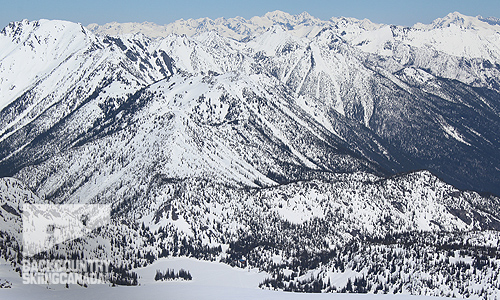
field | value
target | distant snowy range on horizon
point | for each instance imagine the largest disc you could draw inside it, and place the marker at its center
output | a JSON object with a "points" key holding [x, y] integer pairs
{"points": [[280, 157]]}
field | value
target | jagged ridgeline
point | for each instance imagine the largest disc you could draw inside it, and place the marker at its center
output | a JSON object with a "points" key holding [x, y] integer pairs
{"points": [[289, 141]]}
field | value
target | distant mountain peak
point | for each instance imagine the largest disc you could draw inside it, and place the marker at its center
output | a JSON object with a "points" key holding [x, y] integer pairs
{"points": [[278, 14], [239, 28], [456, 18], [490, 20], [462, 21], [236, 28]]}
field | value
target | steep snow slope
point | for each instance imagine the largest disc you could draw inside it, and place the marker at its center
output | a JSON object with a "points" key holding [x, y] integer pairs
{"points": [[397, 112], [72, 69], [48, 43], [417, 113], [229, 128]]}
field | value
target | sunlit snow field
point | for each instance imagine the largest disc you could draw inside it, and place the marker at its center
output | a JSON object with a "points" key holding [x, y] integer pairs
{"points": [[210, 281]]}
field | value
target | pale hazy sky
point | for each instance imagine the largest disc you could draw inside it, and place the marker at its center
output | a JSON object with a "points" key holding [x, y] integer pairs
{"points": [[399, 12]]}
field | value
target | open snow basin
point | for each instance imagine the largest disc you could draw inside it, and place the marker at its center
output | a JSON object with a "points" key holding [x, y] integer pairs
{"points": [[211, 280]]}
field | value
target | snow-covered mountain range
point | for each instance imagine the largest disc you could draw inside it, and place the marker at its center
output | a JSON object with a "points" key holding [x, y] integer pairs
{"points": [[455, 34], [235, 132], [399, 98]]}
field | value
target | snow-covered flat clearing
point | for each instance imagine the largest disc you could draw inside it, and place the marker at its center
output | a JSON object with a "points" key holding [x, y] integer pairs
{"points": [[211, 280]]}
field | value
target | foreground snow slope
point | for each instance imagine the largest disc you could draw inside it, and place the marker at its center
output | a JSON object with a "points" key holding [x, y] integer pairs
{"points": [[210, 281]]}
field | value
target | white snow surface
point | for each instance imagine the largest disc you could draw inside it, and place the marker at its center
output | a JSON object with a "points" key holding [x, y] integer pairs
{"points": [[211, 280], [50, 44], [454, 34]]}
